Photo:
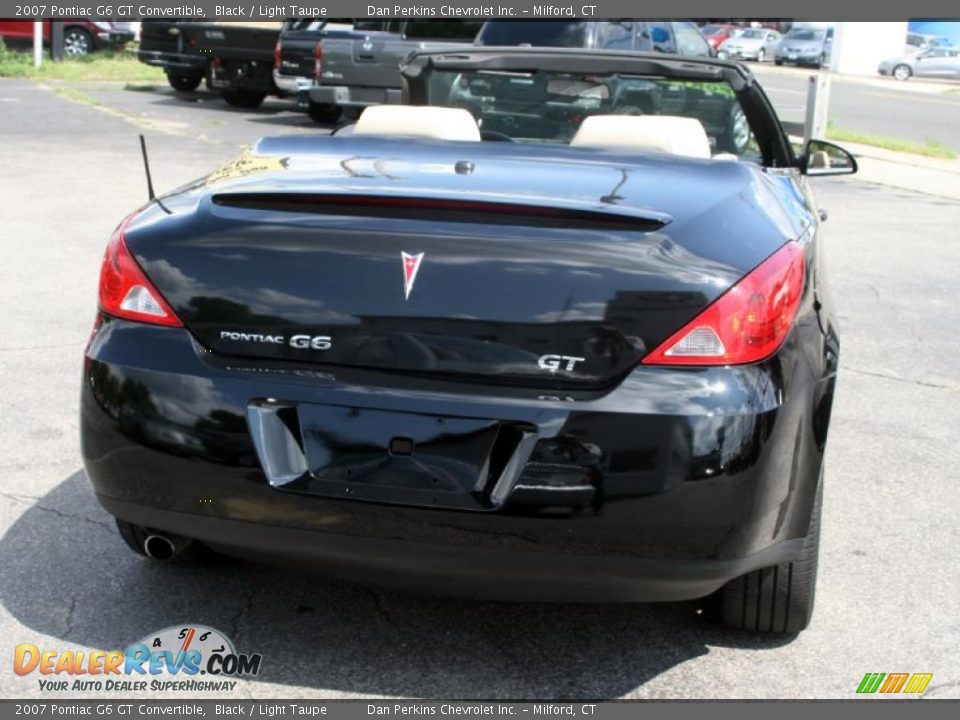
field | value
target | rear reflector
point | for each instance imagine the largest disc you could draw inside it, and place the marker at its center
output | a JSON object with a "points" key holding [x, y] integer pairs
{"points": [[748, 323], [318, 61], [125, 291]]}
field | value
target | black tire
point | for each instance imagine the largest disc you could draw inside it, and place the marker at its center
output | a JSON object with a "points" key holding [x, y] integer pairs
{"points": [[244, 98], [778, 62], [184, 83], [776, 599], [736, 139], [902, 72], [77, 42], [324, 113]]}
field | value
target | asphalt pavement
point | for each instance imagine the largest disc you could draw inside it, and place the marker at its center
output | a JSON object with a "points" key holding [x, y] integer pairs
{"points": [[913, 110], [888, 584]]}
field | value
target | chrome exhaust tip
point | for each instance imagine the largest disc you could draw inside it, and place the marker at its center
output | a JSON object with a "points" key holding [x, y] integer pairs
{"points": [[164, 547]]}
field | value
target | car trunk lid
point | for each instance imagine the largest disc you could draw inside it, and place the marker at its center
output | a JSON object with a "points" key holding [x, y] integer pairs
{"points": [[398, 267]]}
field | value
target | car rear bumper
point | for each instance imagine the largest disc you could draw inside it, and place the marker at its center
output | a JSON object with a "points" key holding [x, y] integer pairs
{"points": [[478, 572], [291, 84], [355, 96], [173, 61], [741, 53], [811, 59], [662, 488], [115, 37]]}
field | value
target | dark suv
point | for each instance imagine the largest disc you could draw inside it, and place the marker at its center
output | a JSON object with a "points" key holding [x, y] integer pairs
{"points": [[680, 38]]}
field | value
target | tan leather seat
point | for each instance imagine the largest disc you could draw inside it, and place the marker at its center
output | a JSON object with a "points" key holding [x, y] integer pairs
{"points": [[418, 121], [664, 133]]}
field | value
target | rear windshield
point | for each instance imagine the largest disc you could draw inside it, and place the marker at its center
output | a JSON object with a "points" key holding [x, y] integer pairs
{"points": [[538, 33], [549, 106]]}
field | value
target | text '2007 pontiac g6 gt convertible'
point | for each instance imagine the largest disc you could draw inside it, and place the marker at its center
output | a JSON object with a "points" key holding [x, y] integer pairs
{"points": [[556, 329]]}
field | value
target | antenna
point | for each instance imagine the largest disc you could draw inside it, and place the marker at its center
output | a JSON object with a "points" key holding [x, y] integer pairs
{"points": [[146, 167]]}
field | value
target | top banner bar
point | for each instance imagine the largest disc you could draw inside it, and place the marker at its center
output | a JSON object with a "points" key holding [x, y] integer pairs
{"points": [[248, 10]]}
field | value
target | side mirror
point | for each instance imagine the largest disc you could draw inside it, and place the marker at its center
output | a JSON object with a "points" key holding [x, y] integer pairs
{"points": [[824, 158]]}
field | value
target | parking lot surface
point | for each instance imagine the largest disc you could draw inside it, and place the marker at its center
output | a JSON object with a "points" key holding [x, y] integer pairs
{"points": [[920, 111], [888, 583]]}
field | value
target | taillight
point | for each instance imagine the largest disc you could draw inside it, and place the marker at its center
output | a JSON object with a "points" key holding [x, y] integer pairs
{"points": [[317, 60], [749, 322], [277, 50], [125, 291]]}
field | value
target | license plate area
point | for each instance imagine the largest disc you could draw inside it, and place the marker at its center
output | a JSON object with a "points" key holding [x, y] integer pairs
{"points": [[391, 457]]}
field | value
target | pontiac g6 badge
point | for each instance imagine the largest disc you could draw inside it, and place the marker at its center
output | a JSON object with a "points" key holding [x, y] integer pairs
{"points": [[411, 266]]}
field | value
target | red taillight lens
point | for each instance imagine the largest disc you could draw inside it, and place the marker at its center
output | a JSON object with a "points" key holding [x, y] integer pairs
{"points": [[749, 322], [277, 50], [317, 61], [125, 291]]}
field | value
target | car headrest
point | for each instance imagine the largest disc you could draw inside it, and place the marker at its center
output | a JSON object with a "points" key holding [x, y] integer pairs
{"points": [[666, 133], [421, 121]]}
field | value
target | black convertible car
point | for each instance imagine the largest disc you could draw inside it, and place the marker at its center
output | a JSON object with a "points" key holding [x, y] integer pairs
{"points": [[556, 329]]}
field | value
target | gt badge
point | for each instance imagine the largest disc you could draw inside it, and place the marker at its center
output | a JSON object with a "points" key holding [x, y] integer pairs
{"points": [[411, 266], [558, 362]]}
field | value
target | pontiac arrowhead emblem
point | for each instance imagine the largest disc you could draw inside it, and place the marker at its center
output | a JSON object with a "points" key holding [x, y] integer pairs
{"points": [[411, 266]]}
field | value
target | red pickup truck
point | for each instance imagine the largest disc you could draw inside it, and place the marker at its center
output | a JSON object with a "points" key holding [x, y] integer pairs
{"points": [[80, 36]]}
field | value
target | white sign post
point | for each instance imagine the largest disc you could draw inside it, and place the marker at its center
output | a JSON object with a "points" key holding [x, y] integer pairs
{"points": [[818, 104], [37, 43]]}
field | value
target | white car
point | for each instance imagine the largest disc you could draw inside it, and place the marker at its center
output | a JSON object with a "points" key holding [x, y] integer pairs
{"points": [[936, 62], [751, 44]]}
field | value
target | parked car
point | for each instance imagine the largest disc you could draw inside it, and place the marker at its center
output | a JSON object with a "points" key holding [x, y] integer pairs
{"points": [[168, 45], [752, 44], [587, 359], [681, 38], [298, 56], [717, 34], [805, 46], [362, 71], [80, 35], [932, 63]]}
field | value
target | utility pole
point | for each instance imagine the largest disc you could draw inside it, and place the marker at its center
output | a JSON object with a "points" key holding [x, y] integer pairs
{"points": [[56, 40]]}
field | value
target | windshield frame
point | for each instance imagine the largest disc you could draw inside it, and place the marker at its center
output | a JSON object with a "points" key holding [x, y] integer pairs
{"points": [[768, 133]]}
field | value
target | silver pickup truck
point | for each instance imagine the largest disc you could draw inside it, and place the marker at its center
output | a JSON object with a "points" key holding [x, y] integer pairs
{"points": [[358, 72]]}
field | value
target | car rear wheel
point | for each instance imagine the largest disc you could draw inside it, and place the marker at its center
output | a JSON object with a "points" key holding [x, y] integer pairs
{"points": [[184, 83], [902, 72], [77, 42], [776, 599], [244, 98], [324, 113]]}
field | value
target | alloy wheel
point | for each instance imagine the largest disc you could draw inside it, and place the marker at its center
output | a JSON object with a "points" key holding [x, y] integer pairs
{"points": [[76, 43]]}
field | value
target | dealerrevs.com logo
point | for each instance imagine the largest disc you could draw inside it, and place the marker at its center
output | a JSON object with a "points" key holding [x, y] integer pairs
{"points": [[894, 683], [174, 658]]}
